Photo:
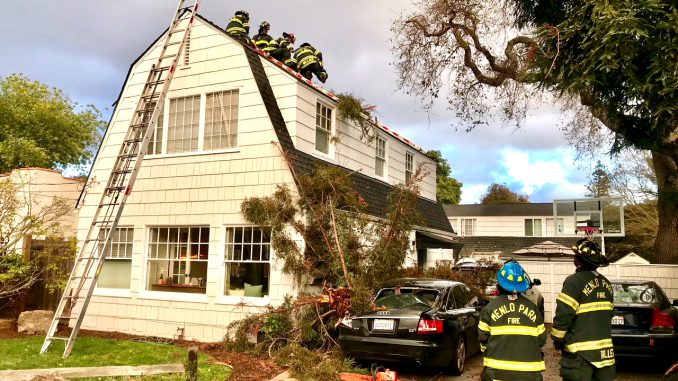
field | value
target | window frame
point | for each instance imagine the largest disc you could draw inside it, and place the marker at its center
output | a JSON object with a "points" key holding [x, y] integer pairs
{"points": [[234, 299], [377, 158], [163, 125], [330, 132], [130, 244], [474, 227], [174, 294], [531, 222], [409, 166]]}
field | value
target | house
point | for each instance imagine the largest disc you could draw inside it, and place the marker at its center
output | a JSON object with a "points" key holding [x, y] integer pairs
{"points": [[36, 191], [183, 260], [499, 230]]}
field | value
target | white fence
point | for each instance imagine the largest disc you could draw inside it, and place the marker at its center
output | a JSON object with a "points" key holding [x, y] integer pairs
{"points": [[552, 275]]}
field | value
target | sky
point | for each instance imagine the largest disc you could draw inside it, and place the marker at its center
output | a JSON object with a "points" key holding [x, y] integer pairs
{"points": [[85, 47]]}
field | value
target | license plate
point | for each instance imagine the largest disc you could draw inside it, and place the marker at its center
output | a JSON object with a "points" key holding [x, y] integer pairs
{"points": [[383, 325], [618, 320]]}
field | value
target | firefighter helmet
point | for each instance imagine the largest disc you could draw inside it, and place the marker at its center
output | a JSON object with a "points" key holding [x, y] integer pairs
{"points": [[265, 25], [512, 278], [245, 14], [290, 36], [590, 253]]}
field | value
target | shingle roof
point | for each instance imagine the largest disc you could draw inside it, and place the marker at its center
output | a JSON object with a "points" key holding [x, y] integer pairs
{"points": [[372, 190], [516, 209], [507, 245]]}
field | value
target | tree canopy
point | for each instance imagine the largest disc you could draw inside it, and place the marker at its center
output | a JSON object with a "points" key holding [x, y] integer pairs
{"points": [[613, 64], [448, 189], [41, 127], [599, 182], [501, 194]]}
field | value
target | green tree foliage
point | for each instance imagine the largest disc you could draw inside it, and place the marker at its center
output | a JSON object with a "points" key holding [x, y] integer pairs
{"points": [[448, 189], [614, 64], [42, 127], [599, 182], [501, 194]]}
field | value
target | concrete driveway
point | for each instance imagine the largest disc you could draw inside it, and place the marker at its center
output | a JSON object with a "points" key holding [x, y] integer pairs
{"points": [[627, 369]]}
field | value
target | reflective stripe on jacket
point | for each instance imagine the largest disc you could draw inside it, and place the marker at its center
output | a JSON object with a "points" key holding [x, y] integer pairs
{"points": [[262, 40], [238, 26], [583, 320], [511, 333], [306, 56]]}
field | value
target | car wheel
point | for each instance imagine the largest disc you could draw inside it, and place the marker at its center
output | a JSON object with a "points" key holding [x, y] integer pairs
{"points": [[458, 357]]}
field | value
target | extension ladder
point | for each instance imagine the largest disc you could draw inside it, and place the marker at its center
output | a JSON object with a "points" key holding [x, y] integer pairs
{"points": [[95, 247]]}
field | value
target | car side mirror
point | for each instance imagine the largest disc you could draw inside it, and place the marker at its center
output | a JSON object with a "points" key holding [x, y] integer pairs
{"points": [[675, 302], [536, 282]]}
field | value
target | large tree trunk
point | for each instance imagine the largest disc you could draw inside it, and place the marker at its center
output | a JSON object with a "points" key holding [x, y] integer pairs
{"points": [[666, 244]]}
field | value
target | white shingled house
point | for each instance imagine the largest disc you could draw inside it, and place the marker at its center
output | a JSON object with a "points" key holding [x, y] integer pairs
{"points": [[184, 260]]}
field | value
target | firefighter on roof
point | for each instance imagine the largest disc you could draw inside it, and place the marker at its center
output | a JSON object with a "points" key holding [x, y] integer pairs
{"points": [[239, 26], [262, 38], [281, 48], [309, 61], [583, 322], [511, 330]]}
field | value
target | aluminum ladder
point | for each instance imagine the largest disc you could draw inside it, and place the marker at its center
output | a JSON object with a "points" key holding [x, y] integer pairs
{"points": [[95, 247]]}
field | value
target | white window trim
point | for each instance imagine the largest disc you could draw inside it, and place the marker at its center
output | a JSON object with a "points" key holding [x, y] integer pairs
{"points": [[201, 129], [169, 295], [474, 227], [237, 299], [543, 227], [331, 149], [123, 292], [385, 169], [414, 162]]}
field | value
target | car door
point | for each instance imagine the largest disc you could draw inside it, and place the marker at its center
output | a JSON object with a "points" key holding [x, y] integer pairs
{"points": [[462, 316]]}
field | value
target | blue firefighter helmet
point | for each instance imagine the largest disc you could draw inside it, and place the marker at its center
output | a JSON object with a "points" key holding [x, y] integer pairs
{"points": [[512, 278]]}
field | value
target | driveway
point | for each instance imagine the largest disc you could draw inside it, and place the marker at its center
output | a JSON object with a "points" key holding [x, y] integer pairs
{"points": [[627, 369]]}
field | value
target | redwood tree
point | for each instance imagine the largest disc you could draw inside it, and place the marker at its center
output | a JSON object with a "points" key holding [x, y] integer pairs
{"points": [[612, 63]]}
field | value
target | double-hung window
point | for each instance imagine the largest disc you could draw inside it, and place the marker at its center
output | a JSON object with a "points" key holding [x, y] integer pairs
{"points": [[468, 226], [323, 128], [184, 120], [533, 227], [221, 120], [177, 259], [188, 126], [380, 157], [247, 258], [117, 269], [409, 166]]}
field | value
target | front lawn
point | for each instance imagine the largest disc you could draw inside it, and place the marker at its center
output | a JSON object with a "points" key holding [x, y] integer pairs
{"points": [[23, 353]]}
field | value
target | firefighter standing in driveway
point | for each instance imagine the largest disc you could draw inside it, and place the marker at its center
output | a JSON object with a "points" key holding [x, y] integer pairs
{"points": [[511, 330], [583, 322]]}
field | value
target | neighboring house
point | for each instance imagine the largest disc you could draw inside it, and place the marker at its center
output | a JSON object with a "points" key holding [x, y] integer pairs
{"points": [[632, 259], [499, 230], [37, 190], [184, 261]]}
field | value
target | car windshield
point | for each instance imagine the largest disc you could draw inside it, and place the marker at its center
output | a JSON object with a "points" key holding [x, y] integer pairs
{"points": [[634, 293], [402, 297]]}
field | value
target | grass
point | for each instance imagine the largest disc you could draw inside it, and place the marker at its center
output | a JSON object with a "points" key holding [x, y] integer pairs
{"points": [[23, 353]]}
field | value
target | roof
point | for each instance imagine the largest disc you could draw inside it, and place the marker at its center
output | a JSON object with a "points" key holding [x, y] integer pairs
{"points": [[43, 170], [513, 209], [507, 245], [371, 189]]}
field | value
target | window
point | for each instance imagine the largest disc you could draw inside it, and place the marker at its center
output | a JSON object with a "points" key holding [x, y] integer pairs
{"points": [[221, 120], [117, 269], [323, 128], [247, 261], [177, 259], [468, 226], [459, 297], [409, 166], [182, 129], [553, 230], [380, 157], [155, 143], [533, 227]]}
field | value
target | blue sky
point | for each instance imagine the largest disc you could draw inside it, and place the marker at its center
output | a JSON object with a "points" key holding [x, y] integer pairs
{"points": [[86, 47]]}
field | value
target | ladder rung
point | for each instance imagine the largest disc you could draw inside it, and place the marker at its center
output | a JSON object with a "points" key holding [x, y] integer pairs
{"points": [[82, 277], [177, 30], [168, 56], [173, 43], [122, 171], [58, 338], [107, 204], [135, 140], [115, 188], [83, 258], [66, 317]]}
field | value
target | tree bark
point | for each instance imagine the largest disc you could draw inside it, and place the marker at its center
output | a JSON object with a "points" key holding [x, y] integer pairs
{"points": [[666, 168]]}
